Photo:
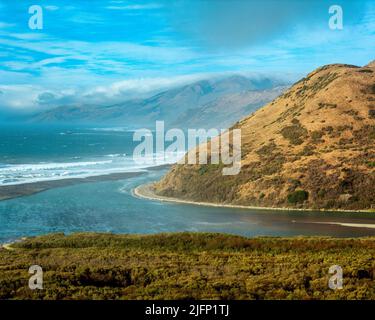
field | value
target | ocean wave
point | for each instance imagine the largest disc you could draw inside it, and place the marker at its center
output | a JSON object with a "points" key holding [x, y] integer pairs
{"points": [[113, 129], [118, 129], [49, 166], [116, 155], [17, 174]]}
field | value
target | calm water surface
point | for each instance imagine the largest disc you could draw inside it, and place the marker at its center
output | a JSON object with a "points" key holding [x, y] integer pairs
{"points": [[108, 206]]}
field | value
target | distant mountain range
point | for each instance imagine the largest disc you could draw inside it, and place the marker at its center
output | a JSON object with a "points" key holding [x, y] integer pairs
{"points": [[312, 147], [206, 103]]}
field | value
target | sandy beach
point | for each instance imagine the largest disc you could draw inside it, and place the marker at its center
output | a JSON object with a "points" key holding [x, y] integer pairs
{"points": [[20, 190], [146, 191]]}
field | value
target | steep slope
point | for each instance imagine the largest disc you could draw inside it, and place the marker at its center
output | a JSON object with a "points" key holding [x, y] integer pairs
{"points": [[313, 147], [171, 105]]}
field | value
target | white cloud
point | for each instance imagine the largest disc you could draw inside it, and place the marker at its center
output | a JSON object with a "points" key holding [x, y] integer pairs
{"points": [[46, 71], [27, 36], [18, 97], [100, 51], [137, 86], [149, 6], [36, 97], [4, 25], [51, 8], [85, 18], [27, 63]]}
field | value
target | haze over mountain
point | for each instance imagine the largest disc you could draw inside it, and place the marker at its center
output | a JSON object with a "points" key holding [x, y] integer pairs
{"points": [[312, 147], [206, 103]]}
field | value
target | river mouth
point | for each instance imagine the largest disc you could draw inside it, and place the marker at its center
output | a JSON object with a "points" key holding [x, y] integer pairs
{"points": [[25, 189], [110, 206], [105, 203], [20, 190]]}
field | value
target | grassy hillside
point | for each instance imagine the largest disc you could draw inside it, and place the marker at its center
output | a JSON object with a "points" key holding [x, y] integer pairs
{"points": [[313, 147], [186, 265]]}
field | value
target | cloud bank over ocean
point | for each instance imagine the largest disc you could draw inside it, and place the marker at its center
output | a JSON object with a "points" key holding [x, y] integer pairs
{"points": [[109, 51]]}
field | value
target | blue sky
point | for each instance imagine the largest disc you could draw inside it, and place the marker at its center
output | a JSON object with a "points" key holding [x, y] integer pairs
{"points": [[102, 52]]}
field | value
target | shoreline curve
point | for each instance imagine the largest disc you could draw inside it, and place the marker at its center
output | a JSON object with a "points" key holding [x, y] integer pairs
{"points": [[145, 192]]}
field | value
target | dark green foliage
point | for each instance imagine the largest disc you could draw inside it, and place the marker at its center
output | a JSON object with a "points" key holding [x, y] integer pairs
{"points": [[354, 114], [267, 150], [208, 168], [365, 134], [294, 184], [294, 133], [325, 189], [327, 105], [307, 151], [321, 193], [316, 136], [298, 196], [202, 169], [187, 266], [372, 133], [323, 81], [365, 71]]}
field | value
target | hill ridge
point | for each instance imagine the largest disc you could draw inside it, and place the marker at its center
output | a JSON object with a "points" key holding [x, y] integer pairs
{"points": [[312, 147], [171, 105]]}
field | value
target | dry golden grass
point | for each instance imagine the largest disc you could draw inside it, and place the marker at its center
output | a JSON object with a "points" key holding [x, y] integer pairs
{"points": [[318, 137]]}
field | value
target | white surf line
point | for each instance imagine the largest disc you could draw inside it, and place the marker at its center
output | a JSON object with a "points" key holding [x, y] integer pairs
{"points": [[353, 225], [8, 247]]}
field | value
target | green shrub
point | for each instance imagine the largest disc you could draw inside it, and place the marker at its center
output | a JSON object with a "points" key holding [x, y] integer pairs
{"points": [[298, 196], [321, 193], [194, 266], [365, 71], [372, 133], [316, 136], [295, 133], [307, 151], [202, 170]]}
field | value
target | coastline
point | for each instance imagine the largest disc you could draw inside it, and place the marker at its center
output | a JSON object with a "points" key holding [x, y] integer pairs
{"points": [[26, 189], [8, 246], [145, 192]]}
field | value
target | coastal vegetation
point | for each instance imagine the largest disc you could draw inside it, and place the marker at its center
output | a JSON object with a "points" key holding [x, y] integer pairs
{"points": [[187, 266], [298, 196]]}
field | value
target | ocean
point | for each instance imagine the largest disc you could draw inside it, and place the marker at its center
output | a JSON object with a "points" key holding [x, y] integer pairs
{"points": [[32, 155]]}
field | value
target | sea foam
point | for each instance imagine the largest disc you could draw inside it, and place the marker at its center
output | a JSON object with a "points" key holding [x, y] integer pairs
{"points": [[17, 174]]}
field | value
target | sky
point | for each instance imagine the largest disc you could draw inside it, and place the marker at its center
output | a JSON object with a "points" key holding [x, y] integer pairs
{"points": [[107, 51]]}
